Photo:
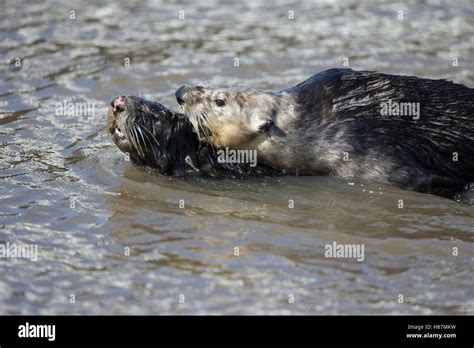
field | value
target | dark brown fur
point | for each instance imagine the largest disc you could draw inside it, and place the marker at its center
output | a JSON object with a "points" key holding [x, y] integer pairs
{"points": [[169, 144], [336, 127]]}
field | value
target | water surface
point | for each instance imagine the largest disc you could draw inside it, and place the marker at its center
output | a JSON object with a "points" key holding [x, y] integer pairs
{"points": [[65, 187]]}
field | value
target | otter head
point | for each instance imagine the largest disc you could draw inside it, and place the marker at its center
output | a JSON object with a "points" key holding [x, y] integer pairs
{"points": [[151, 134], [228, 117]]}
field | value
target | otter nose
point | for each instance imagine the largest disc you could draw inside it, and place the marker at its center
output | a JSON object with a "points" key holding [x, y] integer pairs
{"points": [[180, 94], [118, 104]]}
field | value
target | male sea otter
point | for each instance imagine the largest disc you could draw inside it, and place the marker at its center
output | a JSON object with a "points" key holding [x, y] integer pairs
{"points": [[415, 133]]}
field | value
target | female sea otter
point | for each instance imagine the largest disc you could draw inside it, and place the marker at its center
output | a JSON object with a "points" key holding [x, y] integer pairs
{"points": [[415, 133]]}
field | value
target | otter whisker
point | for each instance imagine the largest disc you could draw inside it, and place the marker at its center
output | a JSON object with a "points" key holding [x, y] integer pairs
{"points": [[205, 126], [136, 142], [131, 138], [147, 139], [150, 135], [198, 117], [139, 130], [200, 123], [194, 121], [139, 142]]}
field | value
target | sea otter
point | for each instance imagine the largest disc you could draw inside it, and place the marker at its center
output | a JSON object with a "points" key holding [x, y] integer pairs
{"points": [[158, 138], [412, 132]]}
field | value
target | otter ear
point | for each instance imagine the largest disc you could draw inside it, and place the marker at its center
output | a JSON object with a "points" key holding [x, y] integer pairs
{"points": [[265, 126]]}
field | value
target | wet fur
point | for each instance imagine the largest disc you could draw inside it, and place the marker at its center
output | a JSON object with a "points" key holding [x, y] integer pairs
{"points": [[160, 139], [337, 113]]}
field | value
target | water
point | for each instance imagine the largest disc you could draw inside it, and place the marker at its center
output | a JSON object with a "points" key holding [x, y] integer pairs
{"points": [[115, 237]]}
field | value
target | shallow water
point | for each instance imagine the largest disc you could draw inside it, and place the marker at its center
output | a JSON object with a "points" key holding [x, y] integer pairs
{"points": [[66, 188]]}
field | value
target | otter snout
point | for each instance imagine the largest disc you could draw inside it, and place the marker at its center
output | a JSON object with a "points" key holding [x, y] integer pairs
{"points": [[118, 104], [189, 94], [180, 94]]}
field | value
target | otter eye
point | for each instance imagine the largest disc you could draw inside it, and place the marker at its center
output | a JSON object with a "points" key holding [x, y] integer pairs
{"points": [[220, 102]]}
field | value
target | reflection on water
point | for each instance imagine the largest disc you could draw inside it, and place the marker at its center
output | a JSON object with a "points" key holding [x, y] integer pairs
{"points": [[120, 239]]}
